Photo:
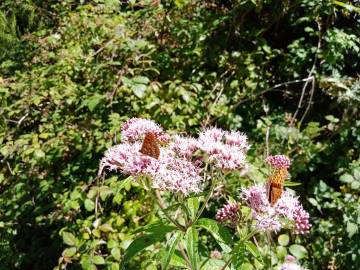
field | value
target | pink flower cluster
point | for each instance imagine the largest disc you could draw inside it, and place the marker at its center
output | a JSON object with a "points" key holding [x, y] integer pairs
{"points": [[278, 161], [290, 264], [287, 212], [135, 129], [228, 213], [223, 149], [169, 172]]}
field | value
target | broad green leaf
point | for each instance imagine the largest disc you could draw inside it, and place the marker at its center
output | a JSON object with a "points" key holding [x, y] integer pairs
{"points": [[178, 261], [141, 80], [145, 241], [69, 252], [298, 251], [139, 90], [351, 229], [192, 242], [252, 248], [94, 101], [87, 264], [98, 260], [115, 252], [281, 251], [220, 233], [212, 264], [106, 228], [283, 240], [193, 205], [346, 178], [171, 248], [69, 238], [89, 205]]}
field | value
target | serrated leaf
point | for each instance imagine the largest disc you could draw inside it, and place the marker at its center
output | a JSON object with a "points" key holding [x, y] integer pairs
{"points": [[192, 242], [298, 251], [170, 249], [220, 233], [69, 238]]}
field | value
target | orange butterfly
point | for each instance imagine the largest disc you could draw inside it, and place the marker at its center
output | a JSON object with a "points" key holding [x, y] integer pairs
{"points": [[275, 185], [150, 146]]}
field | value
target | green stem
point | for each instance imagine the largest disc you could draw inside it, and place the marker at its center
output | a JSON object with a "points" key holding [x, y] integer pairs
{"points": [[162, 206]]}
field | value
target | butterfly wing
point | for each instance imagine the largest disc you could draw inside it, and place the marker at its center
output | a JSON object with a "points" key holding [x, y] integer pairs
{"points": [[150, 146], [275, 185]]}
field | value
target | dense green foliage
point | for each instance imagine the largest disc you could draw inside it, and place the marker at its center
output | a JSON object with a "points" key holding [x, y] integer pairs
{"points": [[71, 72]]}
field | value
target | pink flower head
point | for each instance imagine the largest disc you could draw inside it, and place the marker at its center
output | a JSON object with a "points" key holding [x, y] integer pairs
{"points": [[135, 129], [278, 161], [176, 174], [225, 150], [286, 212], [290, 264], [237, 139], [127, 158], [184, 146], [228, 213]]}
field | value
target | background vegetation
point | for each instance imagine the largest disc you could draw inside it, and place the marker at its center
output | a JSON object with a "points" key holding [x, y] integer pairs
{"points": [[72, 71]]}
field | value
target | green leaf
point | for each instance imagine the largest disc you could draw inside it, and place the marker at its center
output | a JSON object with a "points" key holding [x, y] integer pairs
{"points": [[141, 80], [94, 101], [220, 233], [106, 228], [281, 251], [192, 242], [298, 251], [69, 252], [351, 229], [98, 260], [115, 252], [38, 153], [145, 241], [193, 205], [291, 184], [346, 178], [253, 249], [171, 248], [87, 264], [89, 205], [69, 238], [139, 90], [283, 240], [178, 261]]}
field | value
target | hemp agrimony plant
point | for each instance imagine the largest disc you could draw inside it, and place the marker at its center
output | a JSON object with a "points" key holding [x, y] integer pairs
{"points": [[182, 174]]}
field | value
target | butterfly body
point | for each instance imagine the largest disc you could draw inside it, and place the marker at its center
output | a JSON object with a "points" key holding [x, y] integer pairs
{"points": [[275, 185], [150, 146]]}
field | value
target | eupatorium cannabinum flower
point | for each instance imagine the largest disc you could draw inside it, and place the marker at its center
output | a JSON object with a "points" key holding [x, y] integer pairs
{"points": [[225, 150], [228, 213], [168, 172], [278, 161], [290, 264], [135, 129], [287, 212]]}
